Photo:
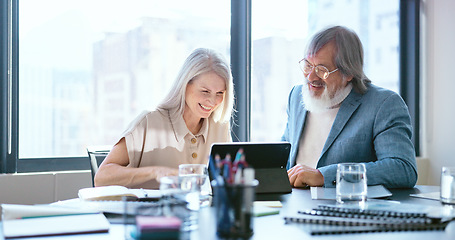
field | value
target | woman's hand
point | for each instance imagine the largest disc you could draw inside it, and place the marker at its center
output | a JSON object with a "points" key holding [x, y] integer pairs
{"points": [[114, 170], [164, 171]]}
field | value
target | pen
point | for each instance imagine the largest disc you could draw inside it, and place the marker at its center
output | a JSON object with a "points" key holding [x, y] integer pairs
{"points": [[238, 177], [238, 157], [217, 162], [227, 168], [214, 166]]}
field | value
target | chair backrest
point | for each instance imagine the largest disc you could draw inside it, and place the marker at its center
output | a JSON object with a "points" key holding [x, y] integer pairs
{"points": [[96, 155]]}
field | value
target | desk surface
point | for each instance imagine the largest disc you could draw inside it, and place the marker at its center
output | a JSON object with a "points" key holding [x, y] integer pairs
{"points": [[274, 227]]}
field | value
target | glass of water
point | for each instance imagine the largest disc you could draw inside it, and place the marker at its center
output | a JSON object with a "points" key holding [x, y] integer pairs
{"points": [[197, 173], [180, 198], [448, 185], [351, 183]]}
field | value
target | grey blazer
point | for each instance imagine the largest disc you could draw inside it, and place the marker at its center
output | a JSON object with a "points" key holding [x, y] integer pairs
{"points": [[374, 128]]}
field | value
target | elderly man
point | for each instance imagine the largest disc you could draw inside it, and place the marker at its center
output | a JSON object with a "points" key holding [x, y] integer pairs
{"points": [[339, 116]]}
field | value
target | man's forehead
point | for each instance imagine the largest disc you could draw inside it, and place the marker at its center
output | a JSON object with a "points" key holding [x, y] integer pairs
{"points": [[324, 54]]}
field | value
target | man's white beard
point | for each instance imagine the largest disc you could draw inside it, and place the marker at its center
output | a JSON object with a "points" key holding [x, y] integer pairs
{"points": [[325, 101]]}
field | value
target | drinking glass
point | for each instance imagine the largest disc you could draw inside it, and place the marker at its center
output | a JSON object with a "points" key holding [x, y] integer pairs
{"points": [[177, 192], [448, 185], [197, 173], [351, 183]]}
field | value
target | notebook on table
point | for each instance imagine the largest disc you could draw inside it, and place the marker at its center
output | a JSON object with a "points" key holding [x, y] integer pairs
{"points": [[268, 159], [373, 216], [21, 221]]}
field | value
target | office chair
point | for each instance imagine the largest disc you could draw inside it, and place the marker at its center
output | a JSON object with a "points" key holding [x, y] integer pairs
{"points": [[96, 155]]}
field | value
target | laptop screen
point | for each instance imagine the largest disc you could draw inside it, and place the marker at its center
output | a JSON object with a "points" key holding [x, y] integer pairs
{"points": [[268, 159]]}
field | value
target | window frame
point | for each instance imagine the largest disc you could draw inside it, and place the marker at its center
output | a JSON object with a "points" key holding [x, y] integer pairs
{"points": [[410, 63], [241, 68], [9, 86], [241, 65]]}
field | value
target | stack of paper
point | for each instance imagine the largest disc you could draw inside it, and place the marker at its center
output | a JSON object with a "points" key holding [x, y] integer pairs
{"points": [[47, 220]]}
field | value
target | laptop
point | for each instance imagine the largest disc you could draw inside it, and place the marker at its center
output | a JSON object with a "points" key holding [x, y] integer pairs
{"points": [[268, 159]]}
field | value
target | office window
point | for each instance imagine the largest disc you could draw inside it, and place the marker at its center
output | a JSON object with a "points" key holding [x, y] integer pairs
{"points": [[279, 42], [65, 107], [87, 68]]}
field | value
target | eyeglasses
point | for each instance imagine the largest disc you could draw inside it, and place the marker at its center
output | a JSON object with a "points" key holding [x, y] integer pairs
{"points": [[320, 70]]}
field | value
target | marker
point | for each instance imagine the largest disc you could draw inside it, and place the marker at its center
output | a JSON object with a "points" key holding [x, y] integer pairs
{"points": [[248, 175], [227, 168]]}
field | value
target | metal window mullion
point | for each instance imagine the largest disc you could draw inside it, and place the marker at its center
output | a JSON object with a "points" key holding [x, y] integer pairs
{"points": [[11, 104], [3, 85], [241, 67], [410, 63], [8, 122], [9, 76]]}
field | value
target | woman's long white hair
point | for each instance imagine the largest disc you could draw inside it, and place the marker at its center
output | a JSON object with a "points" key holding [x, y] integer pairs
{"points": [[200, 61]]}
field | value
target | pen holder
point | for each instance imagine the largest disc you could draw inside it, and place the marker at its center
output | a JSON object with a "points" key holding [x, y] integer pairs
{"points": [[234, 209]]}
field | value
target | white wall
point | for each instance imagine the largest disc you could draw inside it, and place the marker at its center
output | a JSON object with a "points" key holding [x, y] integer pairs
{"points": [[40, 188], [438, 86]]}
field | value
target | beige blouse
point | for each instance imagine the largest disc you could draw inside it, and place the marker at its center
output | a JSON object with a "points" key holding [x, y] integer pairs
{"points": [[161, 138]]}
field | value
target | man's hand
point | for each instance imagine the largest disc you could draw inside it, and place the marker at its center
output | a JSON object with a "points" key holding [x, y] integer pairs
{"points": [[304, 176]]}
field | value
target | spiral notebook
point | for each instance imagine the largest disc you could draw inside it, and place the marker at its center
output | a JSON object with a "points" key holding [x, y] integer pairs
{"points": [[322, 229], [374, 216]]}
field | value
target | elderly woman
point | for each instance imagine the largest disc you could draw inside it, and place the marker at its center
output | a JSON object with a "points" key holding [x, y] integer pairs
{"points": [[195, 114]]}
